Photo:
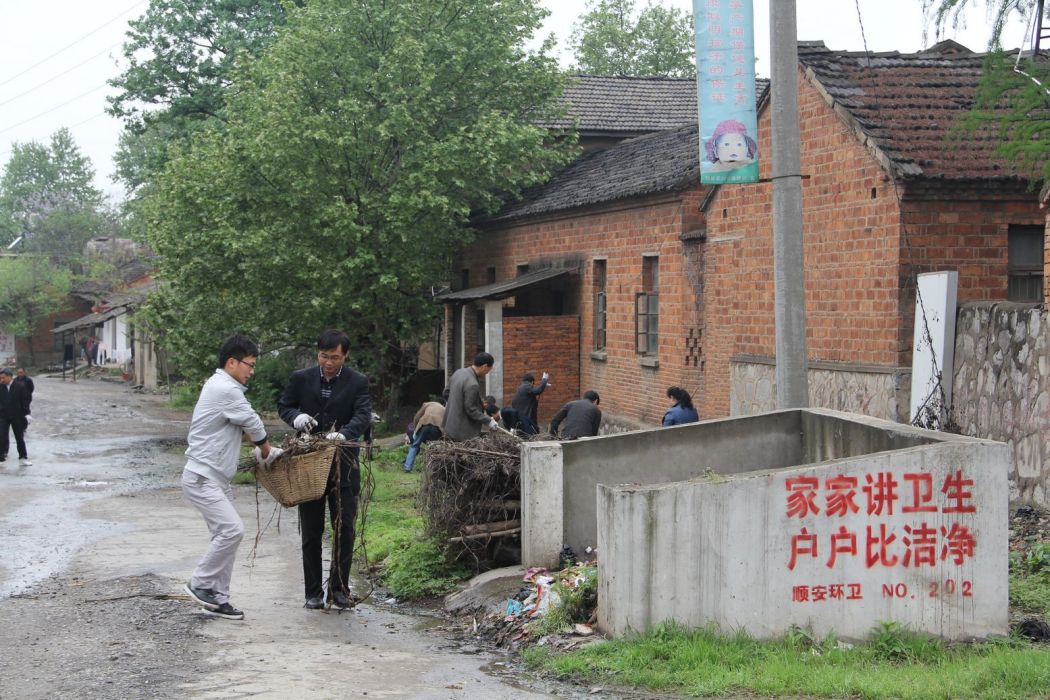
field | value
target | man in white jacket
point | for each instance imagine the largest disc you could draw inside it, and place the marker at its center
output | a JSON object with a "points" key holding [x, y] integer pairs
{"points": [[222, 415]]}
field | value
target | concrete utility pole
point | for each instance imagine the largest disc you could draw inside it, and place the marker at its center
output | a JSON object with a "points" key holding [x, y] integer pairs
{"points": [[788, 263]]}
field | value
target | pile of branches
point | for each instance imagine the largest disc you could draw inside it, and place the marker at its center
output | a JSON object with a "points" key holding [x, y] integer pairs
{"points": [[471, 493]]}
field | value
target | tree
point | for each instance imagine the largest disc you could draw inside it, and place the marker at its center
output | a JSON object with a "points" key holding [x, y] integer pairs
{"points": [[608, 40], [1012, 96], [357, 147], [31, 288], [180, 56], [47, 196]]}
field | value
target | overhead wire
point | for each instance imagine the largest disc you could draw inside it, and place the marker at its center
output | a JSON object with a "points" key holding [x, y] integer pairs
{"points": [[71, 44], [53, 109], [58, 75]]}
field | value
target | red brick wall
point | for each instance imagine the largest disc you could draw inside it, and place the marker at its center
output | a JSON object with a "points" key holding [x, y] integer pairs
{"points": [[856, 260], [37, 349], [538, 343], [621, 236]]}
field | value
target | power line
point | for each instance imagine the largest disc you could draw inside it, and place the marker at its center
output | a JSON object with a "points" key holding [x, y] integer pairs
{"points": [[71, 45], [56, 107], [56, 77]]}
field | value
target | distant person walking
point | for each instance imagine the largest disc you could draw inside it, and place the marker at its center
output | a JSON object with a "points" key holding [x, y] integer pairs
{"points": [[581, 417], [24, 379], [465, 412], [526, 402], [681, 410], [14, 416], [220, 419]]}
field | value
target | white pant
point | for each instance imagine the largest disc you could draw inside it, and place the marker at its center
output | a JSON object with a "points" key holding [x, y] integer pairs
{"points": [[215, 503]]}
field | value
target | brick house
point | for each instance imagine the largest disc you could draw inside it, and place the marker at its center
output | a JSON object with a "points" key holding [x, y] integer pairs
{"points": [[670, 283]]}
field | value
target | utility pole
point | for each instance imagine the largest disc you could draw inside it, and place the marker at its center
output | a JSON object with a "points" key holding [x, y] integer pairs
{"points": [[788, 263]]}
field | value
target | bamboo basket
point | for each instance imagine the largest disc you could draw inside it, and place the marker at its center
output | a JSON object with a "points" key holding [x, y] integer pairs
{"points": [[298, 478]]}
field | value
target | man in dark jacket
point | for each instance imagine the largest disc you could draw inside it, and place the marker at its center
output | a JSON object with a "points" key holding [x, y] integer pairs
{"points": [[14, 415], [526, 403], [25, 380], [582, 417], [333, 400]]}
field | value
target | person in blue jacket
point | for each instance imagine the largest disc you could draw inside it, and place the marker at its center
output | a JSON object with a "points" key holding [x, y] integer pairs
{"points": [[682, 410]]}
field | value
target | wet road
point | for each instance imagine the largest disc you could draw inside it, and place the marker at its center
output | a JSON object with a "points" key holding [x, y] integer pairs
{"points": [[95, 541]]}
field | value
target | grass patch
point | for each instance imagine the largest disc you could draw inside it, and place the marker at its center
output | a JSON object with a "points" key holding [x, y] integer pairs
{"points": [[1030, 581], [184, 396], [411, 565], [894, 664]]}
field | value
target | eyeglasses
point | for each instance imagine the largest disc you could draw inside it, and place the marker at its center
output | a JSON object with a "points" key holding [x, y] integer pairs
{"points": [[330, 358], [251, 365]]}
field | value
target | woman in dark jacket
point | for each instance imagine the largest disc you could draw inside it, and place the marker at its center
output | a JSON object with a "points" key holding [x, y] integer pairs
{"points": [[682, 410]]}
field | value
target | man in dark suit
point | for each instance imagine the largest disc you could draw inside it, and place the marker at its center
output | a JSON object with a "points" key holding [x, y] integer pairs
{"points": [[526, 403], [14, 415], [582, 417], [25, 380], [333, 400]]}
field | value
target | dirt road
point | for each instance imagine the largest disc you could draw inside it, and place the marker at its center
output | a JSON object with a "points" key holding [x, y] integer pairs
{"points": [[95, 542]]}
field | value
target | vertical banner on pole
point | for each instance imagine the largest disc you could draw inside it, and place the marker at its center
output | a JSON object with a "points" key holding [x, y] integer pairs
{"points": [[725, 82]]}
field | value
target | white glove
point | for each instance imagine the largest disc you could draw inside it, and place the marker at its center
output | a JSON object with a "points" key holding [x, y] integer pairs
{"points": [[335, 436], [546, 376], [265, 464], [304, 422], [492, 423]]}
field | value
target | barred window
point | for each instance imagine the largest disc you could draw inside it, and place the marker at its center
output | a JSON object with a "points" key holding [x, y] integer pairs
{"points": [[600, 305], [647, 308], [1025, 263]]}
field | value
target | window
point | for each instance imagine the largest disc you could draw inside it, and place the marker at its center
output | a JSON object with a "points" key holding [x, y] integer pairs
{"points": [[521, 269], [479, 330], [600, 304], [647, 308], [491, 272], [464, 279], [1025, 263], [57, 339]]}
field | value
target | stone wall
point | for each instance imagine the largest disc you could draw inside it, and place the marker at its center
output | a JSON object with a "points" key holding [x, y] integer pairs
{"points": [[1002, 387], [880, 392]]}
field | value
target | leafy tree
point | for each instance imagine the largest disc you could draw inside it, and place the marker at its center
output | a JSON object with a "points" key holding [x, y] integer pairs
{"points": [[46, 194], [356, 149], [31, 288], [609, 40], [180, 56], [1012, 95]]}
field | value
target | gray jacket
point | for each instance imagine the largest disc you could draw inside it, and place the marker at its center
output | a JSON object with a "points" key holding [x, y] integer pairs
{"points": [[221, 416], [464, 412]]}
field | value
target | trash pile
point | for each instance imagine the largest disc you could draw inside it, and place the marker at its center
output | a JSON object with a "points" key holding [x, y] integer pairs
{"points": [[556, 609], [471, 494]]}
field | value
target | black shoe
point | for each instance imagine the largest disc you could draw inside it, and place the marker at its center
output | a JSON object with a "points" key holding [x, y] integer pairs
{"points": [[339, 600], [203, 596], [314, 603], [225, 610]]}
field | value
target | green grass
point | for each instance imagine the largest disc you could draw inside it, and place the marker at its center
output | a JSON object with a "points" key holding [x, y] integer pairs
{"points": [[1030, 581], [411, 565], [894, 664]]}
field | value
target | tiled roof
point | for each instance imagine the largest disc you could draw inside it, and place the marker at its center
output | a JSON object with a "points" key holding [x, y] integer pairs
{"points": [[902, 105], [627, 105], [659, 162]]}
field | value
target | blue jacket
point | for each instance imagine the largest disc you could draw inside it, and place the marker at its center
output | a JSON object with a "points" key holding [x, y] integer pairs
{"points": [[678, 415]]}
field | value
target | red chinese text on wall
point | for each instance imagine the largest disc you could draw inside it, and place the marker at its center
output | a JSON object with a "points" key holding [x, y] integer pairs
{"points": [[912, 545]]}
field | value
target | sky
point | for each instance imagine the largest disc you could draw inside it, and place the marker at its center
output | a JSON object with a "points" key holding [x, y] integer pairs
{"points": [[56, 56]]}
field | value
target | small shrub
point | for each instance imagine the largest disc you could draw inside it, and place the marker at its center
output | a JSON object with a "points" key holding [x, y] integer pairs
{"points": [[419, 570]]}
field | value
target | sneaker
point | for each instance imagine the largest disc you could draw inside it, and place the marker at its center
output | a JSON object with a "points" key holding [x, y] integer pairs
{"points": [[339, 600], [202, 596], [225, 610], [314, 603], [24, 462]]}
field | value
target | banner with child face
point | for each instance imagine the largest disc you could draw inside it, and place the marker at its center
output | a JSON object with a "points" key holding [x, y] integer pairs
{"points": [[725, 83]]}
